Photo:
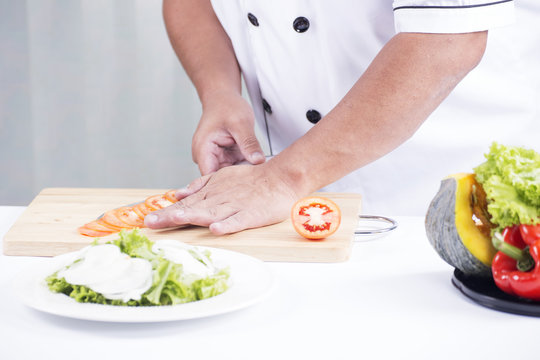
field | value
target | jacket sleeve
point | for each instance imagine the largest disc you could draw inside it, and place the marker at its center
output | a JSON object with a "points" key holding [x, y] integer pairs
{"points": [[451, 16]]}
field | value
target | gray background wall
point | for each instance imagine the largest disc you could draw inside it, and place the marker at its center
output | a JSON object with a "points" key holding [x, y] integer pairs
{"points": [[91, 95]]}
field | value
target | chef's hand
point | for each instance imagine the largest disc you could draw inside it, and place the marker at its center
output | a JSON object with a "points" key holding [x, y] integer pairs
{"points": [[225, 135], [230, 200]]}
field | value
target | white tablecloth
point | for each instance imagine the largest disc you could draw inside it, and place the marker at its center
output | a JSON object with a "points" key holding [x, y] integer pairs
{"points": [[392, 300]]}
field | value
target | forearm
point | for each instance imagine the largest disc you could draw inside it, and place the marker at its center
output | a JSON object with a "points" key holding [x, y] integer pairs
{"points": [[408, 79], [202, 46]]}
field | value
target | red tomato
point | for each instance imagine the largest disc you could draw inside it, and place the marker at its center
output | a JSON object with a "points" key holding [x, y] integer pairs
{"points": [[157, 202], [315, 217], [111, 218], [530, 233], [128, 216], [141, 208], [170, 195], [93, 233], [100, 225], [138, 211]]}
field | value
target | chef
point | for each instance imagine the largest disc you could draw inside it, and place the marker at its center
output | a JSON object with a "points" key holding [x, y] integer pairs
{"points": [[368, 96]]}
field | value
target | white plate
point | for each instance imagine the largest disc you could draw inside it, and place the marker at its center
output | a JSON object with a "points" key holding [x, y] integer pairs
{"points": [[251, 281]]}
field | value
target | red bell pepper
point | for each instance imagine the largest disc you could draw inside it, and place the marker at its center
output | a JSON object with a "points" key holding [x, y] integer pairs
{"points": [[516, 266]]}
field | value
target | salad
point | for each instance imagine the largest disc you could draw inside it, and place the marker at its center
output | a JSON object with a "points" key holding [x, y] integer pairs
{"points": [[511, 179], [135, 271]]}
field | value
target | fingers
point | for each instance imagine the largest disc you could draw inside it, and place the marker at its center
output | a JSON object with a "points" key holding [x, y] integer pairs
{"points": [[181, 214], [236, 222], [173, 215], [208, 163], [229, 225], [249, 145], [192, 188]]}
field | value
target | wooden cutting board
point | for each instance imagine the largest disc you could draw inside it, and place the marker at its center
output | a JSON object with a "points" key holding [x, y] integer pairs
{"points": [[48, 227]]}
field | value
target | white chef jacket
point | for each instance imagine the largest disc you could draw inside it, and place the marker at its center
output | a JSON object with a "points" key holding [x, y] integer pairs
{"points": [[300, 57]]}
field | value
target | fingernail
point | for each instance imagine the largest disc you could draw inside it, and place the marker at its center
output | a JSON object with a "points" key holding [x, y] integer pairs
{"points": [[215, 227], [257, 156], [177, 215], [151, 219], [182, 191]]}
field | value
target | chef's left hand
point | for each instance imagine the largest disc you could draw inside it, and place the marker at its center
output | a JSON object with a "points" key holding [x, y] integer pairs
{"points": [[230, 200]]}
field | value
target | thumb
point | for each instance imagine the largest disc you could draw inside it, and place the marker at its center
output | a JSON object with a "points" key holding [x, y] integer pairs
{"points": [[208, 164], [249, 146]]}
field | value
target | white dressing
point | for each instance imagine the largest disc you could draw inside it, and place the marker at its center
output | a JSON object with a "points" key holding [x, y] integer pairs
{"points": [[179, 253], [106, 270]]}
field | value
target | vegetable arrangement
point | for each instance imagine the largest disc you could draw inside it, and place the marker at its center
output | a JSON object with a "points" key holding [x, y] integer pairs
{"points": [[127, 217], [177, 273], [488, 223]]}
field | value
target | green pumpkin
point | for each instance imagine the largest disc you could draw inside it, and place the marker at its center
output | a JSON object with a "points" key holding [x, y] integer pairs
{"points": [[457, 225]]}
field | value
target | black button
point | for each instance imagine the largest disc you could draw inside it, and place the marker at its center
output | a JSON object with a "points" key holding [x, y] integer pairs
{"points": [[301, 24], [313, 116], [266, 106], [253, 19]]}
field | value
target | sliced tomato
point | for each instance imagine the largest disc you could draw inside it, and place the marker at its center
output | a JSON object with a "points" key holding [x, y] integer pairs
{"points": [[100, 225], [530, 233], [127, 215], [142, 208], [315, 217], [157, 202], [171, 196], [111, 218], [83, 230], [138, 211]]}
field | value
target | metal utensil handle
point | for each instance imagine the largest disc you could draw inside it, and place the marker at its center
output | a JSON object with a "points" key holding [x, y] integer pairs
{"points": [[392, 224]]}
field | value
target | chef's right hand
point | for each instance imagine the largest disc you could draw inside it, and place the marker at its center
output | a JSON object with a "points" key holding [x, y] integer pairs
{"points": [[225, 135]]}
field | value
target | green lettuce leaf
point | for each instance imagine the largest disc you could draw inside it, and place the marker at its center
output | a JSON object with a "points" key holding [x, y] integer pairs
{"points": [[83, 294], [135, 244], [167, 288], [510, 177], [211, 286]]}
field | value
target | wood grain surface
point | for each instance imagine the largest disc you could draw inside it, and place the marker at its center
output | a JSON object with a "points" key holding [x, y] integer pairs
{"points": [[48, 227]]}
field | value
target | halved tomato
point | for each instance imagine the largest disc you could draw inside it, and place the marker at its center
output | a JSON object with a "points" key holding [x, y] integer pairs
{"points": [[157, 202], [315, 217]]}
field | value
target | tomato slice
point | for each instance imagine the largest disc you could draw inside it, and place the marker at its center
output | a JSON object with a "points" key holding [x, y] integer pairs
{"points": [[127, 215], [83, 230], [315, 217], [143, 209], [157, 202], [530, 233], [100, 225], [111, 218], [138, 211], [170, 195]]}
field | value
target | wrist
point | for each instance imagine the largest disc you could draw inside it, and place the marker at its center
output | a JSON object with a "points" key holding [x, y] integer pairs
{"points": [[211, 94], [294, 176]]}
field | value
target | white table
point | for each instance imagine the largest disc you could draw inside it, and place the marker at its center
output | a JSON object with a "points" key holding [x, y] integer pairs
{"points": [[392, 300]]}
